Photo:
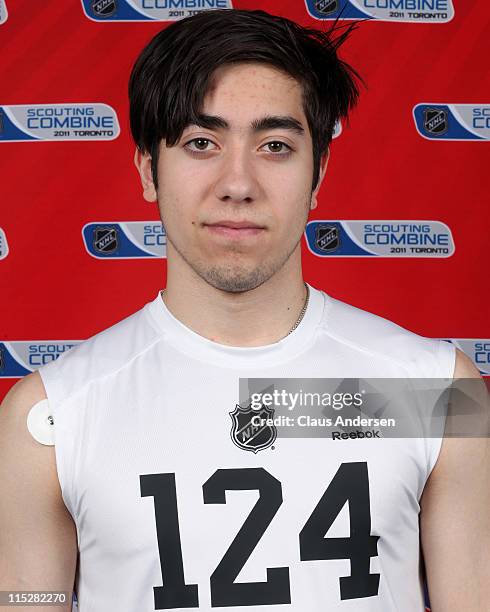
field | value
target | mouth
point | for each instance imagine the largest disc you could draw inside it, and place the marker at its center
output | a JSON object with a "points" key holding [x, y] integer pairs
{"points": [[234, 229]]}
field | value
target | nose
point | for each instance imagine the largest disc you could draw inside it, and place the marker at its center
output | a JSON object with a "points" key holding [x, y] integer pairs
{"points": [[237, 181]]}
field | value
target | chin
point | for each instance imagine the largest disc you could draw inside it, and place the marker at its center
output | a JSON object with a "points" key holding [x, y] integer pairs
{"points": [[234, 281]]}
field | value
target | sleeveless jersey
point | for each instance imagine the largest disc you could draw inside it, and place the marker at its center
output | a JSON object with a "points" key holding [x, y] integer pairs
{"points": [[172, 514]]}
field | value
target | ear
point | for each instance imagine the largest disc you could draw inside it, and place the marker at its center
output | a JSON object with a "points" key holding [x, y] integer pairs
{"points": [[323, 170], [142, 161]]}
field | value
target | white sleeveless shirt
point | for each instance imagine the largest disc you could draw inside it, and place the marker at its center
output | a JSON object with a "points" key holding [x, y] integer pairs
{"points": [[171, 513]]}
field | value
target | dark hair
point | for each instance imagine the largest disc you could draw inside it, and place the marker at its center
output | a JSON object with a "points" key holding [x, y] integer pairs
{"points": [[170, 77]]}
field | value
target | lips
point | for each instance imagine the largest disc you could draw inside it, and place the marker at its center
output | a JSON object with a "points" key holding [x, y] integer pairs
{"points": [[234, 229], [235, 224]]}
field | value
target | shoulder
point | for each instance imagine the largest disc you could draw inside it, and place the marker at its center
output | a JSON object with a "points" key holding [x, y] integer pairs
{"points": [[465, 368], [19, 452], [18, 401], [465, 449], [384, 340], [103, 354]]}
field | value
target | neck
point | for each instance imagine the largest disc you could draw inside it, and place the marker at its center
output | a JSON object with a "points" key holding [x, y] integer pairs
{"points": [[257, 317]]}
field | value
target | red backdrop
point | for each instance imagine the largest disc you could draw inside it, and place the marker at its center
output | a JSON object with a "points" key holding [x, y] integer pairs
{"points": [[380, 168]]}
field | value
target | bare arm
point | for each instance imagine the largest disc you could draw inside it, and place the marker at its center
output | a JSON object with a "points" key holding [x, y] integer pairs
{"points": [[455, 520], [38, 543]]}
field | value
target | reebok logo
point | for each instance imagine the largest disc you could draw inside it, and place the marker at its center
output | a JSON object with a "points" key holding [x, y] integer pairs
{"points": [[342, 435]]}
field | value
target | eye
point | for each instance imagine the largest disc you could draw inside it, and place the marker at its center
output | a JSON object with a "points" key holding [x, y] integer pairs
{"points": [[198, 145], [278, 148]]}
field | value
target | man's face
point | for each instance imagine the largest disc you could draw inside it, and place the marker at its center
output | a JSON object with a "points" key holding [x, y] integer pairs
{"points": [[250, 164]]}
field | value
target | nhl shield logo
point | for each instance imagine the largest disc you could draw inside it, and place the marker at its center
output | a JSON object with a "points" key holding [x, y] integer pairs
{"points": [[327, 238], [326, 7], [435, 121], [104, 8], [249, 436], [105, 240]]}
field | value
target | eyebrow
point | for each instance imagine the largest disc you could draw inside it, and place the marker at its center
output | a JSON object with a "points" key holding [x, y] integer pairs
{"points": [[270, 122]]}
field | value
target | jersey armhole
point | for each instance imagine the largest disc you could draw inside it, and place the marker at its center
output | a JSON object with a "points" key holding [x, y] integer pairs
{"points": [[446, 363], [62, 436]]}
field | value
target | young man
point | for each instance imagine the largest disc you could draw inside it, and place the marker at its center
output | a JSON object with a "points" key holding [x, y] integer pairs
{"points": [[149, 481]]}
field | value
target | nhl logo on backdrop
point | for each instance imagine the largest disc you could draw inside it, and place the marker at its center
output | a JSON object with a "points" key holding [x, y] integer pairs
{"points": [[105, 240], [249, 436], [435, 121], [104, 8], [326, 7], [327, 238]]}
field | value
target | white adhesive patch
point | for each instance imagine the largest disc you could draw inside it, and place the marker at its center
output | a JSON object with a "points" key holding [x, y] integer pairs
{"points": [[40, 423]]}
